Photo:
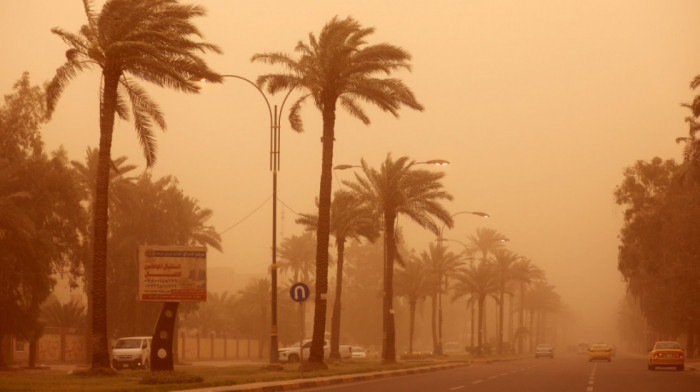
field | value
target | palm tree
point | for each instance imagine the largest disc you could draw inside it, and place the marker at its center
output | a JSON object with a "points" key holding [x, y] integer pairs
{"points": [[504, 261], [128, 39], [397, 188], [255, 301], [296, 254], [524, 273], [350, 219], [542, 299], [690, 169], [442, 264], [64, 315], [337, 68], [414, 282], [478, 281], [485, 240]]}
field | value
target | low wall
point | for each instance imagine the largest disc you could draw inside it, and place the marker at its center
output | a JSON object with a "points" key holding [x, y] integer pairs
{"points": [[69, 345]]}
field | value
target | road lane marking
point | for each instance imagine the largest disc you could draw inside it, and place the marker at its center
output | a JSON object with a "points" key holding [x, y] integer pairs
{"points": [[477, 381], [492, 377], [456, 388]]}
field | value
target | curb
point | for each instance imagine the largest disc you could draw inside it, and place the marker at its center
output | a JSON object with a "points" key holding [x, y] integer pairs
{"points": [[289, 385]]}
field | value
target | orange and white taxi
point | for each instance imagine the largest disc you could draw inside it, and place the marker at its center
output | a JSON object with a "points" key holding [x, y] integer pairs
{"points": [[666, 354]]}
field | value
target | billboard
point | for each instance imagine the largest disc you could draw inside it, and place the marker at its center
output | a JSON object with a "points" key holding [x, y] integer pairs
{"points": [[172, 273]]}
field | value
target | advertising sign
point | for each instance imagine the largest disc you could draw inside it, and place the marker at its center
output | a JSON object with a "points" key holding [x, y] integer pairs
{"points": [[172, 273]]}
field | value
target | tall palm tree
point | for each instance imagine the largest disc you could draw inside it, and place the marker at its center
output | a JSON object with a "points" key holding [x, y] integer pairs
{"points": [[413, 281], [254, 298], [442, 264], [296, 254], [478, 281], [542, 300], [149, 40], [337, 68], [486, 240], [398, 188], [524, 274], [504, 261], [350, 219]]}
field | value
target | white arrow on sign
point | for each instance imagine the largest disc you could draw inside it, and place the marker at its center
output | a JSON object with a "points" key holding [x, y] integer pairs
{"points": [[299, 292]]}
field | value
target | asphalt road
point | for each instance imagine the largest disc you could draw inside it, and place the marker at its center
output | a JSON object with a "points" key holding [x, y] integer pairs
{"points": [[566, 373]]}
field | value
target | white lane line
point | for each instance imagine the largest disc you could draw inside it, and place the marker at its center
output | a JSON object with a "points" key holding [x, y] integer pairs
{"points": [[492, 377], [591, 379], [504, 374], [456, 388], [477, 381]]}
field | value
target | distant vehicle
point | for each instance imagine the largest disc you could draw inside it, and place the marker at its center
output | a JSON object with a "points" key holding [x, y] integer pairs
{"points": [[291, 354], [666, 354], [544, 350], [600, 351], [132, 352], [358, 352]]}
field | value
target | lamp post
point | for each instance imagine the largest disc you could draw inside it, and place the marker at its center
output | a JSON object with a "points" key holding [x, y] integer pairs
{"points": [[439, 239], [275, 143]]}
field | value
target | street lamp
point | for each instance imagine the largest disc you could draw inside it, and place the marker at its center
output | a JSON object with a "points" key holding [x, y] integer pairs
{"points": [[439, 292], [275, 143]]}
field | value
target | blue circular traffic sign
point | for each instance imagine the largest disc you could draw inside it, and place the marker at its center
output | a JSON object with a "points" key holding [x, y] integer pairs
{"points": [[299, 292]]}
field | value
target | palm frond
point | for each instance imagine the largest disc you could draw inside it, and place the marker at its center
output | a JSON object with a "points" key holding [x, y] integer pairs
{"points": [[295, 120]]}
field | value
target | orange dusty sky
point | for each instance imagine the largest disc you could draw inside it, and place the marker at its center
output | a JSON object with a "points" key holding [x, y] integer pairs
{"points": [[538, 105]]}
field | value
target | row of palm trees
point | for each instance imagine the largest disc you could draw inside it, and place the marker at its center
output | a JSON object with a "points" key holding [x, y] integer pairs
{"points": [[398, 187], [153, 41]]}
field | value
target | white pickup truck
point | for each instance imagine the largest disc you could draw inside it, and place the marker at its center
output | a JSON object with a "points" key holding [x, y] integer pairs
{"points": [[291, 354]]}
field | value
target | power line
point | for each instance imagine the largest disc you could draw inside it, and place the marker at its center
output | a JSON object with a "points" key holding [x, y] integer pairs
{"points": [[247, 216], [254, 211]]}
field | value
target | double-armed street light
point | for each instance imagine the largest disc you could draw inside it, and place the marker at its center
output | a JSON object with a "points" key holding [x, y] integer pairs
{"points": [[275, 143], [440, 239]]}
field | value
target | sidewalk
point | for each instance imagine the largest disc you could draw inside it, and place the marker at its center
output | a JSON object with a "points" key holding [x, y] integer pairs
{"points": [[299, 383]]}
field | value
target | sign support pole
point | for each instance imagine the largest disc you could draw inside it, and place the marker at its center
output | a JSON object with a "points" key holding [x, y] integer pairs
{"points": [[162, 342]]}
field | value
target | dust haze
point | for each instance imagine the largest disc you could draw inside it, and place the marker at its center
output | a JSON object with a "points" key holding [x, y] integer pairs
{"points": [[538, 106]]}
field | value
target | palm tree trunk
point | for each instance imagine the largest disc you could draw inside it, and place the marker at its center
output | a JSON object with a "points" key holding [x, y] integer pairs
{"points": [[521, 328], [335, 318], [412, 324], [322, 238], [511, 333], [433, 319], [473, 319], [100, 344], [389, 338], [438, 350], [501, 296], [479, 350]]}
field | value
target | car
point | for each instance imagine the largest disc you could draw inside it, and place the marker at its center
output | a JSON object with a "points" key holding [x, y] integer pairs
{"points": [[599, 351], [290, 354], [666, 353], [544, 350], [358, 352], [132, 352]]}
